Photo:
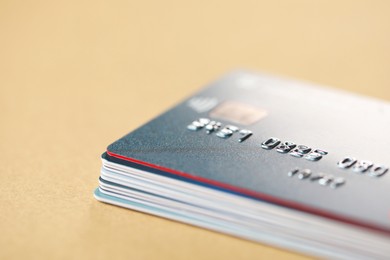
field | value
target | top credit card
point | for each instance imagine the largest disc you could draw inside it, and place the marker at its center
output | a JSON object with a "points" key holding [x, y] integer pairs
{"points": [[294, 144]]}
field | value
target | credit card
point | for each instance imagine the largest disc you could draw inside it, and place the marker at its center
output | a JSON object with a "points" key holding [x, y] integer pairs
{"points": [[276, 152]]}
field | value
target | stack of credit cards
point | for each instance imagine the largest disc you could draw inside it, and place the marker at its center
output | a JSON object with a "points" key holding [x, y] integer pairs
{"points": [[281, 162]]}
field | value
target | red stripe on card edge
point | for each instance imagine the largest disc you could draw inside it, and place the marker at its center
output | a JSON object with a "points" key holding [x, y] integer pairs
{"points": [[257, 195]]}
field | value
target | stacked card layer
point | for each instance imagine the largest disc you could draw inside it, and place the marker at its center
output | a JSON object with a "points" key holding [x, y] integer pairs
{"points": [[267, 159], [152, 191]]}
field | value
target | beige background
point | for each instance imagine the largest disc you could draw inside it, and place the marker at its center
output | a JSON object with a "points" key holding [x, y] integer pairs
{"points": [[76, 75]]}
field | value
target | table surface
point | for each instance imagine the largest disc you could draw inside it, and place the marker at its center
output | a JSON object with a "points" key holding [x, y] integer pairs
{"points": [[77, 75]]}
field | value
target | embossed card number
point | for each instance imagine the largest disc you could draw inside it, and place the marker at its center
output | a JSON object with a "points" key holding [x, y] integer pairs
{"points": [[362, 166], [293, 149], [214, 126], [320, 178]]}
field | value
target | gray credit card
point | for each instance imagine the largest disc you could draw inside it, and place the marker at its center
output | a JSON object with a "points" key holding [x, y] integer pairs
{"points": [[296, 145]]}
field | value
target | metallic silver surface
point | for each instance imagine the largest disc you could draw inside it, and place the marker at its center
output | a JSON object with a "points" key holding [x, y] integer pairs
{"points": [[324, 118]]}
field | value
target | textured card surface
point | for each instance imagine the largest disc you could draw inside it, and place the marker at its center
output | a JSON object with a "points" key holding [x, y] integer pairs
{"points": [[306, 147]]}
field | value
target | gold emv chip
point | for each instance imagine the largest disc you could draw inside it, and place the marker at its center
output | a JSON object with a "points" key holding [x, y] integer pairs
{"points": [[238, 112]]}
